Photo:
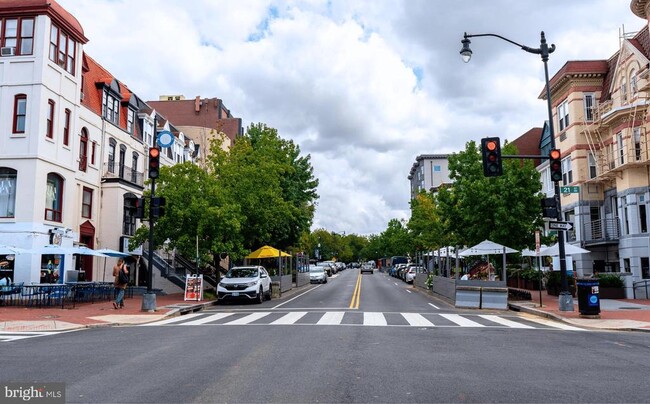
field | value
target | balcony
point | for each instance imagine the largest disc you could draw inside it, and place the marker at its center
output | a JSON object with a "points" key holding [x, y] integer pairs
{"points": [[112, 170], [602, 231]]}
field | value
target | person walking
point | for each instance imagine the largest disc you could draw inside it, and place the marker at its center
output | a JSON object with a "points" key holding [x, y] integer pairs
{"points": [[121, 275]]}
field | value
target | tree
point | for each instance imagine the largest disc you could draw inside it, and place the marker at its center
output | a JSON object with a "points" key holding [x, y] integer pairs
{"points": [[425, 225], [196, 209], [503, 209], [273, 185]]}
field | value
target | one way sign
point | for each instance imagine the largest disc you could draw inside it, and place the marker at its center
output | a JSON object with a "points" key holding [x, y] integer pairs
{"points": [[560, 225]]}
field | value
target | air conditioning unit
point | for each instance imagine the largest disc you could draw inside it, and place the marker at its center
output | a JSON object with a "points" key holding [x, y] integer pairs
{"points": [[8, 51]]}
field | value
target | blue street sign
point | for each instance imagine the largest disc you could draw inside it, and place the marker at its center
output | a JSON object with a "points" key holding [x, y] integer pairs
{"points": [[165, 138]]}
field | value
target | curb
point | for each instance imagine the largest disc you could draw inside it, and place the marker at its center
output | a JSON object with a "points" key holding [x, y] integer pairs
{"points": [[542, 313]]}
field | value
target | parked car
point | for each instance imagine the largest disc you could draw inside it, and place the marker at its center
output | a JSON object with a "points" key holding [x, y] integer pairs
{"points": [[395, 271], [410, 272], [317, 273], [249, 282], [328, 266], [365, 267]]}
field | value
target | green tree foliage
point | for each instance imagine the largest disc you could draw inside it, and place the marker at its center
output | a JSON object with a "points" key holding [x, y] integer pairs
{"points": [[503, 209], [273, 185], [196, 208], [425, 226]]}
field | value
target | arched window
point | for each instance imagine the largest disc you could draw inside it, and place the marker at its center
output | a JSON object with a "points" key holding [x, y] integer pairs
{"points": [[134, 168], [623, 90], [7, 192], [83, 150], [633, 86], [54, 197]]}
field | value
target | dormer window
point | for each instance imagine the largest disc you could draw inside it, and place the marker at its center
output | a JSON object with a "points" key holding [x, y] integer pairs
{"points": [[129, 120], [111, 107]]}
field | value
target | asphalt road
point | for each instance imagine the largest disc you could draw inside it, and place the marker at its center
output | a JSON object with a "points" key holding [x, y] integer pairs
{"points": [[232, 353]]}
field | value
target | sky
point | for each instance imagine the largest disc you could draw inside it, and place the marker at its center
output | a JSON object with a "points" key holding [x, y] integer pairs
{"points": [[363, 87]]}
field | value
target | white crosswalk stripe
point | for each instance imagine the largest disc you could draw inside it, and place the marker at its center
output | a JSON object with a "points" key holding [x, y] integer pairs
{"points": [[417, 320], [249, 318], [370, 318], [290, 318], [8, 336], [461, 321], [360, 318], [331, 318]]}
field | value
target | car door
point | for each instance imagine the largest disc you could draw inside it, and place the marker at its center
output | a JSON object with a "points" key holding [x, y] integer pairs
{"points": [[266, 280]]}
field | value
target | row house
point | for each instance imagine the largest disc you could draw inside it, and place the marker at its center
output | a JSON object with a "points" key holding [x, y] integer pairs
{"points": [[600, 116], [74, 143]]}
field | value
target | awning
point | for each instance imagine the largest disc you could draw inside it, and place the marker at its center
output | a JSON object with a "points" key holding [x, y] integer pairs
{"points": [[267, 252]]}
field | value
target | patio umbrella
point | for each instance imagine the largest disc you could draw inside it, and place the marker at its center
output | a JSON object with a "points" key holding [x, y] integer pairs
{"points": [[9, 250], [113, 253], [531, 253], [58, 250], [487, 247], [569, 249]]}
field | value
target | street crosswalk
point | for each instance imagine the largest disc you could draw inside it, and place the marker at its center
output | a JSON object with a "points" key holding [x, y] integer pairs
{"points": [[360, 318], [8, 336]]}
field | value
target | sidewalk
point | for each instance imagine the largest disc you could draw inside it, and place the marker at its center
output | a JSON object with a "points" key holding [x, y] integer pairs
{"points": [[622, 315], [98, 314]]}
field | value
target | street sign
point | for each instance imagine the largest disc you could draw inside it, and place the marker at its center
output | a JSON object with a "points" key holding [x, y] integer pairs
{"points": [[560, 225], [570, 190]]}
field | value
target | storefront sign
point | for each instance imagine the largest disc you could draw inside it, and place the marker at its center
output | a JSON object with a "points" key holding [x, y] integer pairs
{"points": [[194, 287]]}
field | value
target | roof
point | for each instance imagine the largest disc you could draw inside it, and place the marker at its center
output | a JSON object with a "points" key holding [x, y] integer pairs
{"points": [[48, 7], [574, 68]]}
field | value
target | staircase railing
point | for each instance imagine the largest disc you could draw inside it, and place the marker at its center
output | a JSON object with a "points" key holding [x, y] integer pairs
{"points": [[184, 264], [166, 270]]}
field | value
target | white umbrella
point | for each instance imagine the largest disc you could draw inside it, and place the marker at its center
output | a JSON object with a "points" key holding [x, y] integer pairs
{"points": [[487, 247], [531, 253], [9, 250], [569, 249]]}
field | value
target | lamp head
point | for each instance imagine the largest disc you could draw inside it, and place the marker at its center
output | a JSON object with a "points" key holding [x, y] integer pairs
{"points": [[466, 52]]}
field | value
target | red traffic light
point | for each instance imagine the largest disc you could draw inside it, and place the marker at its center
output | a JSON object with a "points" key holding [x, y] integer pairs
{"points": [[555, 165], [491, 145], [154, 152], [154, 162], [491, 151]]}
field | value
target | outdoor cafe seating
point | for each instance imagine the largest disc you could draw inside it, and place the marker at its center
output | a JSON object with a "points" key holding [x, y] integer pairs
{"points": [[55, 294]]}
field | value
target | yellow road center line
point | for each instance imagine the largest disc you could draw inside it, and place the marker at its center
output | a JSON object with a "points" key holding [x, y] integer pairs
{"points": [[354, 304]]}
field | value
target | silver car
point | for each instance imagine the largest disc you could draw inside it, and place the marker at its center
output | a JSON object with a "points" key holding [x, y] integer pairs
{"points": [[250, 282], [317, 274]]}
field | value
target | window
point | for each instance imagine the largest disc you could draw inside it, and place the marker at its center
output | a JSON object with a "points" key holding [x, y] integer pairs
{"points": [[637, 143], [49, 128], [62, 49], [633, 86], [20, 113], [563, 115], [645, 267], [643, 219], [66, 127], [111, 156], [7, 192], [122, 161], [592, 165], [93, 148], [567, 174], [134, 168], [53, 197], [110, 108], [83, 150], [128, 226], [623, 91], [436, 169], [129, 120], [621, 151], [87, 203], [589, 106], [18, 33]]}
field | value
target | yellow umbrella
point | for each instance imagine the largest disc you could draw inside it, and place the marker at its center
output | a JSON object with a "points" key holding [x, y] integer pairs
{"points": [[267, 252]]}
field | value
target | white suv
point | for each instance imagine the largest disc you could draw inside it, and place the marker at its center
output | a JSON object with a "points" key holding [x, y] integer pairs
{"points": [[251, 282]]}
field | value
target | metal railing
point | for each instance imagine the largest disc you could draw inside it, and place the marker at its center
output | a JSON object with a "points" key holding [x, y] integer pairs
{"points": [[601, 230], [123, 172], [643, 285]]}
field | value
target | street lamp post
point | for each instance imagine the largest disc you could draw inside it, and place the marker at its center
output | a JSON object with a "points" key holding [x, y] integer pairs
{"points": [[565, 302]]}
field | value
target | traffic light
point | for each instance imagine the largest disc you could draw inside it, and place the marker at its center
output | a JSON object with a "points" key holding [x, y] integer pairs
{"points": [[154, 162], [139, 208], [555, 163], [158, 206], [549, 208], [491, 149]]}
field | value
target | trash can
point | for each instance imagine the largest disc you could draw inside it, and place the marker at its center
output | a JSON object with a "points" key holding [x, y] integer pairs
{"points": [[588, 298]]}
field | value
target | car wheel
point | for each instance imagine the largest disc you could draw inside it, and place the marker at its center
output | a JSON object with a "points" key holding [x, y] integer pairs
{"points": [[268, 294], [260, 296]]}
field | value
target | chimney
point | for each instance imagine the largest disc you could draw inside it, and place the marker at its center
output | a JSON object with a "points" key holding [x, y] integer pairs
{"points": [[197, 104]]}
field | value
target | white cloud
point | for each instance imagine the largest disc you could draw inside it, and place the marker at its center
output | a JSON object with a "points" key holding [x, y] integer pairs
{"points": [[339, 77]]}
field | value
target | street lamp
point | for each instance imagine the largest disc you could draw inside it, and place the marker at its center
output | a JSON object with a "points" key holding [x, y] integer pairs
{"points": [[565, 302]]}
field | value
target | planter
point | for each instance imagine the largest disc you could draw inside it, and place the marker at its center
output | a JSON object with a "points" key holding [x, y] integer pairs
{"points": [[611, 293]]}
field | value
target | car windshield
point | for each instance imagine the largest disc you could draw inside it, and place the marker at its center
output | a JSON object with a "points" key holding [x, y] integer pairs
{"points": [[315, 269], [243, 272]]}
